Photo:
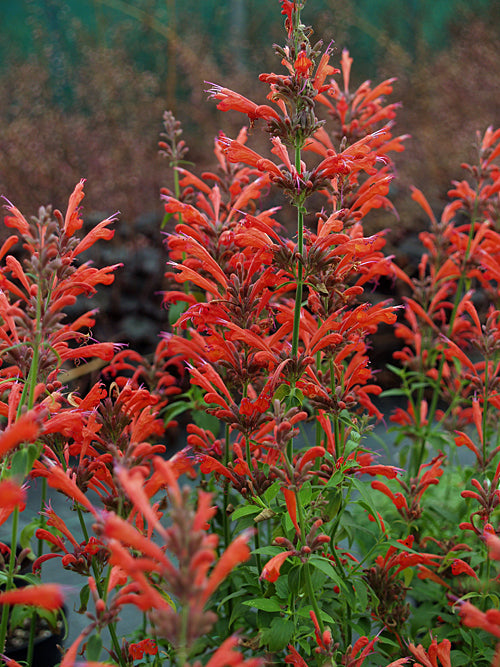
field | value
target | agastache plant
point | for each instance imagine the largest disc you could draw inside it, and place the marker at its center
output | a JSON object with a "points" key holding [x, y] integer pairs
{"points": [[293, 542]]}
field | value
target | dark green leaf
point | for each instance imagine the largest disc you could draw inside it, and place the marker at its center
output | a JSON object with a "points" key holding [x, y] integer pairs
{"points": [[84, 599], [264, 604], [278, 635]]}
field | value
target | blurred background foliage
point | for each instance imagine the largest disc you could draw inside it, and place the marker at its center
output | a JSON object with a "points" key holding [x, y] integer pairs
{"points": [[83, 85]]}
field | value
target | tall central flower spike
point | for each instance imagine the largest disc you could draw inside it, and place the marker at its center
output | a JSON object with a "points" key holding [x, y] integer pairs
{"points": [[273, 331]]}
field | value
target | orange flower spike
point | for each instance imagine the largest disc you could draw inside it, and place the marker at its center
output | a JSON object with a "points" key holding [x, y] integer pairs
{"points": [[226, 655], [100, 231], [73, 220], [425, 573], [345, 65], [10, 662], [16, 219], [132, 482], [493, 543], [25, 429], [11, 496], [57, 523], [204, 512], [120, 530], [46, 596], [57, 479], [237, 152], [237, 552], [323, 70]]}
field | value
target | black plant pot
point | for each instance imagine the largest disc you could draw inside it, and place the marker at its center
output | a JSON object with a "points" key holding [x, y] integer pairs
{"points": [[46, 651]]}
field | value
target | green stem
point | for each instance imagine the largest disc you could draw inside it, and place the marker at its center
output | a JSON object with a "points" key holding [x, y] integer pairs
{"points": [[225, 517], [31, 641], [299, 266], [9, 584], [307, 567], [101, 591], [257, 555]]}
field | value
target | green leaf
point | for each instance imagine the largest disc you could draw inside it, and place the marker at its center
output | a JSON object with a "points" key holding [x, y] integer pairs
{"points": [[278, 635], [84, 599], [206, 421], [459, 658], [281, 392], [282, 587], [19, 464], [271, 492], [263, 604], [94, 648], [28, 532], [245, 510], [327, 568], [305, 494], [304, 613]]}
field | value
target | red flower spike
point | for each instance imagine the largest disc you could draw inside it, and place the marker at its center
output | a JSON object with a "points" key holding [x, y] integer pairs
{"points": [[294, 658], [291, 505], [73, 220]]}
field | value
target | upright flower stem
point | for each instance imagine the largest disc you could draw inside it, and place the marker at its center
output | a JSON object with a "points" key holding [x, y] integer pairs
{"points": [[458, 297], [102, 592], [307, 567], [10, 579], [299, 265], [225, 517]]}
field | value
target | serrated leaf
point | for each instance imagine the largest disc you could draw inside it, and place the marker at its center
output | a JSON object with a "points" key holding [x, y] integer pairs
{"points": [[271, 492], [324, 565], [263, 604], [278, 635], [282, 587], [281, 392], [304, 612]]}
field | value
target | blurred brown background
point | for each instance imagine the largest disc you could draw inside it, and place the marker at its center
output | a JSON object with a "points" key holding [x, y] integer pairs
{"points": [[84, 83]]}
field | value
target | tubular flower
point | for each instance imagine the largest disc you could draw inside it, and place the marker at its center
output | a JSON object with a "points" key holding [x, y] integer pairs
{"points": [[435, 651], [231, 101], [271, 570]]}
